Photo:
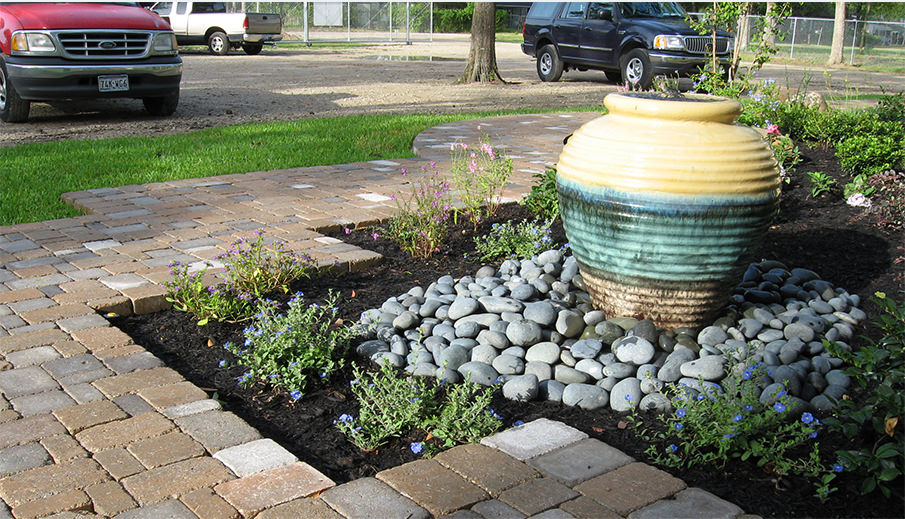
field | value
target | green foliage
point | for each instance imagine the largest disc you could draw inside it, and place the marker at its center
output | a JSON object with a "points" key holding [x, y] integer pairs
{"points": [[514, 240], [879, 369], [420, 224], [858, 184], [888, 199], [251, 271], [712, 427], [479, 174], [821, 183], [543, 200], [891, 108], [390, 405], [288, 350], [459, 20], [870, 154]]}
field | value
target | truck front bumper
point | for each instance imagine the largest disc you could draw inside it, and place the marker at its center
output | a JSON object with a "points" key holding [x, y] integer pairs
{"points": [[671, 64], [37, 79]]}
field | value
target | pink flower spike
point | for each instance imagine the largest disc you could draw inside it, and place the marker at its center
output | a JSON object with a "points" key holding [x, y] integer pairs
{"points": [[375, 236], [772, 129], [404, 171], [347, 230]]}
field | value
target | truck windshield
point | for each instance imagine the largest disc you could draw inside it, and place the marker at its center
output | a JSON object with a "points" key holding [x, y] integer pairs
{"points": [[652, 10]]}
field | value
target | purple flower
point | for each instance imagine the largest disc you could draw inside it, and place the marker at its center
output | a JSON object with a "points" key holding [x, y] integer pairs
{"points": [[417, 447], [679, 426], [295, 394], [779, 407], [672, 447], [737, 418], [680, 412], [807, 417], [838, 467], [375, 235]]}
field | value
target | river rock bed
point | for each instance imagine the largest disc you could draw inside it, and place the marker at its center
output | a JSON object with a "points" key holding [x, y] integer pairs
{"points": [[530, 325]]}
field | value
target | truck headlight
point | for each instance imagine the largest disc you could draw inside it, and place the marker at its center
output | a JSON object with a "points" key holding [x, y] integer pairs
{"points": [[668, 42], [164, 43], [32, 42]]}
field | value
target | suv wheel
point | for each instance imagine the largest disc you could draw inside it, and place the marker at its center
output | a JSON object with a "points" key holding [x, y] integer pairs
{"points": [[218, 43], [636, 69], [614, 75], [13, 109], [549, 66]]}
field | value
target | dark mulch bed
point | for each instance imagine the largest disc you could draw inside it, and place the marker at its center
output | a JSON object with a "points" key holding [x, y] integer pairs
{"points": [[824, 235]]}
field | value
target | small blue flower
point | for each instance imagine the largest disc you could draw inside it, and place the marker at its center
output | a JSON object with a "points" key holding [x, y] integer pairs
{"points": [[813, 434], [417, 447], [628, 398], [779, 407], [345, 418], [672, 447], [295, 394], [737, 418], [701, 397], [517, 423], [837, 467], [748, 407], [324, 374], [679, 426], [681, 413], [223, 363], [746, 374], [807, 417]]}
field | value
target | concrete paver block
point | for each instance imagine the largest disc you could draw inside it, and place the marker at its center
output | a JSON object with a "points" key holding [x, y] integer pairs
{"points": [[208, 505], [41, 403], [22, 457], [691, 503], [171, 509], [255, 456], [64, 369], [497, 509], [80, 417], [534, 438], [136, 381], [165, 449], [176, 479], [82, 323], [491, 469], [45, 481], [368, 497], [217, 430], [309, 508], [63, 448], [631, 487], [123, 432], [32, 356], [165, 397], [199, 406], [134, 362], [29, 429], [251, 494], [66, 501], [537, 495], [555, 513], [584, 507], [26, 381], [118, 462], [83, 393], [580, 461], [133, 405], [109, 498], [433, 486]]}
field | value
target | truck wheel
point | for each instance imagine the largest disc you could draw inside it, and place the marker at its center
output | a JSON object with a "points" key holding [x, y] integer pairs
{"points": [[549, 66], [636, 69], [218, 43], [614, 75], [162, 106], [252, 48], [13, 109]]}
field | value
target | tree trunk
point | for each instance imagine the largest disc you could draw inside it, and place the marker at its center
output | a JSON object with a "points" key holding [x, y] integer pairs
{"points": [[770, 27], [482, 64], [838, 35]]}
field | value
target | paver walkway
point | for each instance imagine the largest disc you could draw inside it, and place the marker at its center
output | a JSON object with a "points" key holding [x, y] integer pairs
{"points": [[93, 425]]}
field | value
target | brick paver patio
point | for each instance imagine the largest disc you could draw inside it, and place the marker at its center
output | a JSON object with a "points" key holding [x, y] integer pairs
{"points": [[92, 425]]}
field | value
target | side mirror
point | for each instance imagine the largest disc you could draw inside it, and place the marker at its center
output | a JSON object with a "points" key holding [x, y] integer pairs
{"points": [[605, 13]]}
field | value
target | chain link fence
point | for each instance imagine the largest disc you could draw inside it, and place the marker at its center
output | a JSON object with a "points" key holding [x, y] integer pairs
{"points": [[873, 43]]}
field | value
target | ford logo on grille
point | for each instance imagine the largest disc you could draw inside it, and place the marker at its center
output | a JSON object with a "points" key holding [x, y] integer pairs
{"points": [[107, 44]]}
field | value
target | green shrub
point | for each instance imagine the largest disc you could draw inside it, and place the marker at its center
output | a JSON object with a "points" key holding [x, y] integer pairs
{"points": [[891, 108], [543, 200], [514, 240], [821, 183], [870, 153]]}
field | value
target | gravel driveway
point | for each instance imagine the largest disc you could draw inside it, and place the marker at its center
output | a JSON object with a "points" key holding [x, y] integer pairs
{"points": [[286, 83]]}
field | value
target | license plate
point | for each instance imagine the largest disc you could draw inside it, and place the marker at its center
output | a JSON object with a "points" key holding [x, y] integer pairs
{"points": [[118, 83]]}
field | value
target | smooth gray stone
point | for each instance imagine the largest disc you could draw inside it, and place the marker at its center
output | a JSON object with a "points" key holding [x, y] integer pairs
{"points": [[515, 351], [609, 332], [467, 329], [619, 370], [788, 376], [568, 375], [479, 373], [821, 307], [565, 356], [607, 358], [788, 353], [646, 371], [523, 292], [541, 370], [799, 331], [608, 382], [857, 314], [463, 306], [634, 350], [399, 347], [846, 332], [433, 342], [549, 256], [423, 369], [406, 320], [386, 357], [586, 349], [569, 323], [594, 317], [509, 365], [500, 326], [542, 285], [453, 357], [772, 393], [369, 348], [547, 352], [838, 378], [447, 331], [464, 342], [835, 392], [391, 306], [484, 353], [585, 396], [821, 364], [449, 375], [496, 339], [500, 291], [498, 305], [816, 323], [750, 327], [666, 343], [591, 367], [626, 394], [524, 332], [521, 388], [484, 320], [822, 403], [419, 357], [712, 335], [707, 368], [551, 390], [817, 381], [814, 348], [646, 330], [485, 271], [769, 335], [655, 402]]}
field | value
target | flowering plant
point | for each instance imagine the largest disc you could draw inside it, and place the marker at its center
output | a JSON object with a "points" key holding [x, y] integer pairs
{"points": [[420, 225], [520, 240], [288, 350], [188, 292], [480, 174]]}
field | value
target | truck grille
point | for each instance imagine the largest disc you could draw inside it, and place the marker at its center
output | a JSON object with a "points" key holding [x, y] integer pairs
{"points": [[105, 44], [702, 44]]}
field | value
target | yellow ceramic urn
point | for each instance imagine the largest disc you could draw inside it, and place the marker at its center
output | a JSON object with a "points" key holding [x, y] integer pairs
{"points": [[663, 200]]}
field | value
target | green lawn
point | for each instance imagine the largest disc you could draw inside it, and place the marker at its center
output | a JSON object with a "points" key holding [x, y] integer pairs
{"points": [[33, 176]]}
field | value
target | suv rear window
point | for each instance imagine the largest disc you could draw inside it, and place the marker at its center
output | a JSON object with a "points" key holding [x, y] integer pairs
{"points": [[543, 9]]}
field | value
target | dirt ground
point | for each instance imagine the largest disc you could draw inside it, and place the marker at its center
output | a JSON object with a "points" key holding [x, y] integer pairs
{"points": [[292, 82]]}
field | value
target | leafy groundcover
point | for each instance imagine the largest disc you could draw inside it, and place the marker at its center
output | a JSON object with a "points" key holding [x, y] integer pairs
{"points": [[839, 242]]}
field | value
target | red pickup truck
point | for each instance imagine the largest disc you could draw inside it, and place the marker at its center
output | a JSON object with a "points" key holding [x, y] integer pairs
{"points": [[65, 51]]}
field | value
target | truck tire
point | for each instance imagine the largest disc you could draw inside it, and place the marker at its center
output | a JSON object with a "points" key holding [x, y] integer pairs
{"points": [[549, 66], [162, 106], [613, 75], [252, 48], [13, 109], [636, 69], [218, 43]]}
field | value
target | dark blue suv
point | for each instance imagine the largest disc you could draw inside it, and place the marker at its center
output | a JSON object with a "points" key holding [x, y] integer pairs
{"points": [[629, 41]]}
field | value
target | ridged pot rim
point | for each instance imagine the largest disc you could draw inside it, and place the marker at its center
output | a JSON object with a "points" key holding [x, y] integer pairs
{"points": [[681, 107]]}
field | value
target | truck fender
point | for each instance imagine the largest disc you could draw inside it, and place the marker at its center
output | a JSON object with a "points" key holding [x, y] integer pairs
{"points": [[212, 30]]}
